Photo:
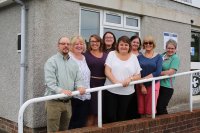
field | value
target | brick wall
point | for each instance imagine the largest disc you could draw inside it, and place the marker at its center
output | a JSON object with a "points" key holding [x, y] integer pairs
{"points": [[7, 126], [182, 122]]}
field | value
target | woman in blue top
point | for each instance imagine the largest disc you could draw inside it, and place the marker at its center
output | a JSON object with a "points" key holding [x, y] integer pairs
{"points": [[151, 64], [169, 67]]}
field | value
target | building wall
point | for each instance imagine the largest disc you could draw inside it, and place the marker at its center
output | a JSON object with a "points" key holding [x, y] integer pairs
{"points": [[47, 20], [156, 27], [163, 9], [45, 27], [10, 62]]}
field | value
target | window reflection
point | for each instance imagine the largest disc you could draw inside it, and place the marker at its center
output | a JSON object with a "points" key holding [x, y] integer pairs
{"points": [[111, 18], [131, 22], [90, 23], [195, 44], [119, 33]]}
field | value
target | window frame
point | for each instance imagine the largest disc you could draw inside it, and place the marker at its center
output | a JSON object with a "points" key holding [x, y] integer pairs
{"points": [[131, 27], [113, 24], [104, 24]]}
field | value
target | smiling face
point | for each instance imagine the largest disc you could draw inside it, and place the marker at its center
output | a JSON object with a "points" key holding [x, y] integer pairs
{"points": [[171, 46], [149, 43], [123, 47], [108, 40], [170, 49], [78, 46], [135, 43], [94, 43], [63, 45]]}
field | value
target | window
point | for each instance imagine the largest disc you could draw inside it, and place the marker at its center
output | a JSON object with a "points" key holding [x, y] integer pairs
{"points": [[113, 19], [19, 42], [95, 21], [195, 46], [90, 23], [131, 22], [119, 33]]}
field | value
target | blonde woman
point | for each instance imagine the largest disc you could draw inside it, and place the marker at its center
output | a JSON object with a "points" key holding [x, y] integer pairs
{"points": [[151, 63], [80, 103]]}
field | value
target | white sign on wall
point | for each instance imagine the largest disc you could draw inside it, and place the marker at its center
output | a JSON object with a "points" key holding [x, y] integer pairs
{"points": [[196, 84], [168, 35]]}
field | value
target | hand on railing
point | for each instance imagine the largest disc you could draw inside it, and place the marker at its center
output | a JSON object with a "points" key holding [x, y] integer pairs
{"points": [[67, 92], [126, 82], [81, 90]]}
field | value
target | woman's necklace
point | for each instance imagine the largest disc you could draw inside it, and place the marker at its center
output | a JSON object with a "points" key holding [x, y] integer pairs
{"points": [[149, 54]]}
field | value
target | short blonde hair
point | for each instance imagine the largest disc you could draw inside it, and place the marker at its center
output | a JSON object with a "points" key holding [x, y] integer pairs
{"points": [[171, 41], [149, 38], [73, 41]]}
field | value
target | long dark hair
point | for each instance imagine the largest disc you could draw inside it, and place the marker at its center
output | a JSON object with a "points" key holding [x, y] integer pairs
{"points": [[114, 43]]}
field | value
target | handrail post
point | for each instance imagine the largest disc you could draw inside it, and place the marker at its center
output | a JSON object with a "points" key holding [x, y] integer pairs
{"points": [[191, 105], [100, 108], [20, 123], [153, 99]]}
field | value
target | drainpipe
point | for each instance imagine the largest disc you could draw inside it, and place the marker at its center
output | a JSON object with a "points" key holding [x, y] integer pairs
{"points": [[23, 40]]}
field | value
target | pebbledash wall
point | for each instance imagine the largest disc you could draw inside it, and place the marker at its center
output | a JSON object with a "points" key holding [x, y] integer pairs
{"points": [[47, 20]]}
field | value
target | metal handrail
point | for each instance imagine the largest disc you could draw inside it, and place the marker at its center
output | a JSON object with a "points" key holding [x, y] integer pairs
{"points": [[99, 89]]}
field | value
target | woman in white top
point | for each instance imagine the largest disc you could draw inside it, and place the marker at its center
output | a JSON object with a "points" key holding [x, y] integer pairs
{"points": [[121, 67], [80, 103]]}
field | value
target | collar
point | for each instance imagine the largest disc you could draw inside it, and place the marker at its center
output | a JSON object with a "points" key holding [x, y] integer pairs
{"points": [[165, 57], [63, 57]]}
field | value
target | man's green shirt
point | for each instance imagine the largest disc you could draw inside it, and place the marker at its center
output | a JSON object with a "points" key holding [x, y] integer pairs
{"points": [[61, 74]]}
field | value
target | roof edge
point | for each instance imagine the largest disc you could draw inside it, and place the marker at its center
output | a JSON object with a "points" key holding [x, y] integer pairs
{"points": [[5, 2]]}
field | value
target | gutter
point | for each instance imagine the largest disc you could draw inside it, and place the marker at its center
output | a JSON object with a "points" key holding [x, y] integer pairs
{"points": [[23, 49]]}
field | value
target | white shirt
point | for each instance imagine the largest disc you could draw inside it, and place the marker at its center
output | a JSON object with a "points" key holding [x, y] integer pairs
{"points": [[85, 73], [121, 70]]}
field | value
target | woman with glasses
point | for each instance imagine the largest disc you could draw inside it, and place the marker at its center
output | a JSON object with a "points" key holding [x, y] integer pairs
{"points": [[109, 41], [95, 58], [151, 64], [170, 65]]}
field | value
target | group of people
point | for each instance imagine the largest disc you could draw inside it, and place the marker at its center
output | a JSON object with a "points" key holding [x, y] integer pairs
{"points": [[107, 61]]}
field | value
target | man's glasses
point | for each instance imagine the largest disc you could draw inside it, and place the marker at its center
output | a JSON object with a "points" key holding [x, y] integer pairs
{"points": [[148, 43], [63, 43]]}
